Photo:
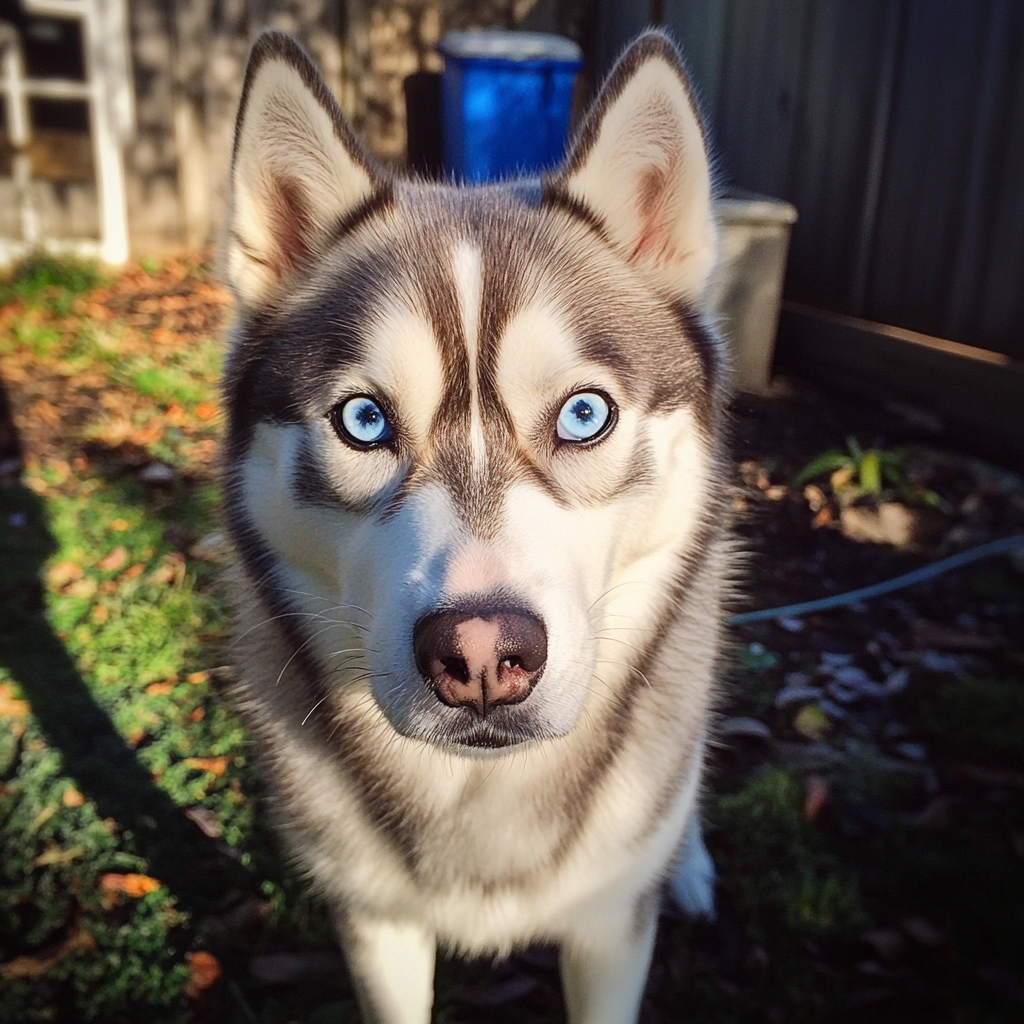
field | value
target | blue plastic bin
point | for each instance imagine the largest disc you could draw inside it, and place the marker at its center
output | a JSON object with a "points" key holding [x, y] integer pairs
{"points": [[506, 101]]}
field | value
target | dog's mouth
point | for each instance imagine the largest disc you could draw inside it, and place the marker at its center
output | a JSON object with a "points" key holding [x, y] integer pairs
{"points": [[486, 740], [482, 737]]}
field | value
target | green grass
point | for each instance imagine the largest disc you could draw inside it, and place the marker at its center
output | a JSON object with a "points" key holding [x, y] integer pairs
{"points": [[54, 281]]}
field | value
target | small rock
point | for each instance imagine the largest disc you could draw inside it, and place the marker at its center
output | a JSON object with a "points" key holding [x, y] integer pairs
{"points": [[933, 661], [896, 682], [155, 474], [834, 711], [831, 661], [748, 728], [912, 751], [796, 695]]}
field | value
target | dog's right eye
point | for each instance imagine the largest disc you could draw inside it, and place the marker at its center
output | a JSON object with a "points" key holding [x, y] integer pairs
{"points": [[361, 422]]}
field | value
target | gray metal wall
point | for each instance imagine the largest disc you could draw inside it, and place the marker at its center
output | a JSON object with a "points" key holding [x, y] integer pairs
{"points": [[896, 127]]}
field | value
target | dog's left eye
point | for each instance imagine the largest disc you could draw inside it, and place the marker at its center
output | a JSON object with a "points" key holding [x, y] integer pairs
{"points": [[585, 416], [361, 422]]}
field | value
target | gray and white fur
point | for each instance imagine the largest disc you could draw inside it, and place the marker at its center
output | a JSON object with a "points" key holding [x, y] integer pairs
{"points": [[477, 649]]}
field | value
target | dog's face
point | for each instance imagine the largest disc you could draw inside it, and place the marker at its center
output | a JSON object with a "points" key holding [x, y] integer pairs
{"points": [[467, 432]]}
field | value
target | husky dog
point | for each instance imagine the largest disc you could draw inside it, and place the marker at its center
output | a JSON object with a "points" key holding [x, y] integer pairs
{"points": [[473, 478]]}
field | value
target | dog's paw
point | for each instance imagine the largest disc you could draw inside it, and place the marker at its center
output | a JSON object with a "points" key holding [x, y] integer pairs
{"points": [[693, 882]]}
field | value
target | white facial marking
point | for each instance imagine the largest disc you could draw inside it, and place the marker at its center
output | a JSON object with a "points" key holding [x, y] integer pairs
{"points": [[402, 358], [469, 285]]}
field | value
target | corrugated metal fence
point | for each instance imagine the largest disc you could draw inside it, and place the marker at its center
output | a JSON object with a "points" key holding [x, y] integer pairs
{"points": [[896, 127]]}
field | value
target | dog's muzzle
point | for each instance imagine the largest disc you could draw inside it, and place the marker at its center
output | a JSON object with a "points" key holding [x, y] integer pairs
{"points": [[480, 659]]}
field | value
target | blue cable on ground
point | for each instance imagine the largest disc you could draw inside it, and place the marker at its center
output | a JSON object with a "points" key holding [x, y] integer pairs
{"points": [[995, 547]]}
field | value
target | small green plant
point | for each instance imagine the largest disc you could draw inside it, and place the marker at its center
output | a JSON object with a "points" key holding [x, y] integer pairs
{"points": [[861, 472]]}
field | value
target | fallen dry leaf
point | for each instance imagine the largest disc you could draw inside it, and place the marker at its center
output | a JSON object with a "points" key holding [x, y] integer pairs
{"points": [[44, 411], [176, 415], [195, 678], [100, 614], [205, 820], [216, 765], [11, 707], [161, 689], [131, 884], [84, 587], [816, 794], [205, 411], [203, 970], [62, 573], [113, 561], [131, 573], [35, 964], [72, 798], [55, 855], [812, 723]]}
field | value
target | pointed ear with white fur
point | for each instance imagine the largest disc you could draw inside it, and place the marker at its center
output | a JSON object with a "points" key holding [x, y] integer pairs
{"points": [[297, 171], [639, 164]]}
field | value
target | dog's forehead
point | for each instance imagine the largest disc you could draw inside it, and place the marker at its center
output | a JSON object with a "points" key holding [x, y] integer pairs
{"points": [[452, 284]]}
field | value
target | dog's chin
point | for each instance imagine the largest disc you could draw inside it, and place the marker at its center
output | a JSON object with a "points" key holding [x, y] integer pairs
{"points": [[464, 734]]}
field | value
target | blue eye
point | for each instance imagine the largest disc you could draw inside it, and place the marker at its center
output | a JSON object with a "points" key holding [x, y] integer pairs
{"points": [[361, 422], [585, 416]]}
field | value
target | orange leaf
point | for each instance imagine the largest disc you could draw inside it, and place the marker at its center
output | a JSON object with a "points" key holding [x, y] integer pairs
{"points": [[62, 573], [46, 412], [217, 765], [203, 970], [130, 885], [205, 411], [11, 708], [161, 689], [100, 614], [114, 560], [132, 572], [195, 678], [72, 798], [176, 415]]}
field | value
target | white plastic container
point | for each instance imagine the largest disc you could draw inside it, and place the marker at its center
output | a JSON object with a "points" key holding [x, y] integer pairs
{"points": [[746, 293]]}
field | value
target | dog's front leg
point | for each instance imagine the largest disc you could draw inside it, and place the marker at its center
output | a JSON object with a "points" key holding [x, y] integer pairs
{"points": [[392, 968], [605, 967]]}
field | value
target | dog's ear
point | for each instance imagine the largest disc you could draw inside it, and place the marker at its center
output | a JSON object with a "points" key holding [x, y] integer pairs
{"points": [[639, 164], [297, 171]]}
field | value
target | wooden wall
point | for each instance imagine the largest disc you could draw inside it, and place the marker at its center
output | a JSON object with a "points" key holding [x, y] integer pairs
{"points": [[896, 127]]}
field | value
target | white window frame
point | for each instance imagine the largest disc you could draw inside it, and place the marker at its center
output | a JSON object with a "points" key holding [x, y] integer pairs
{"points": [[108, 89]]}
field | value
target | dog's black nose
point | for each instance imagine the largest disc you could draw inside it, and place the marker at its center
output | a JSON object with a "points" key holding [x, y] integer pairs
{"points": [[480, 659]]}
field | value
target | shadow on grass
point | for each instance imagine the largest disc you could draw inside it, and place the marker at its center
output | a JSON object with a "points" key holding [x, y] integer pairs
{"points": [[94, 754]]}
